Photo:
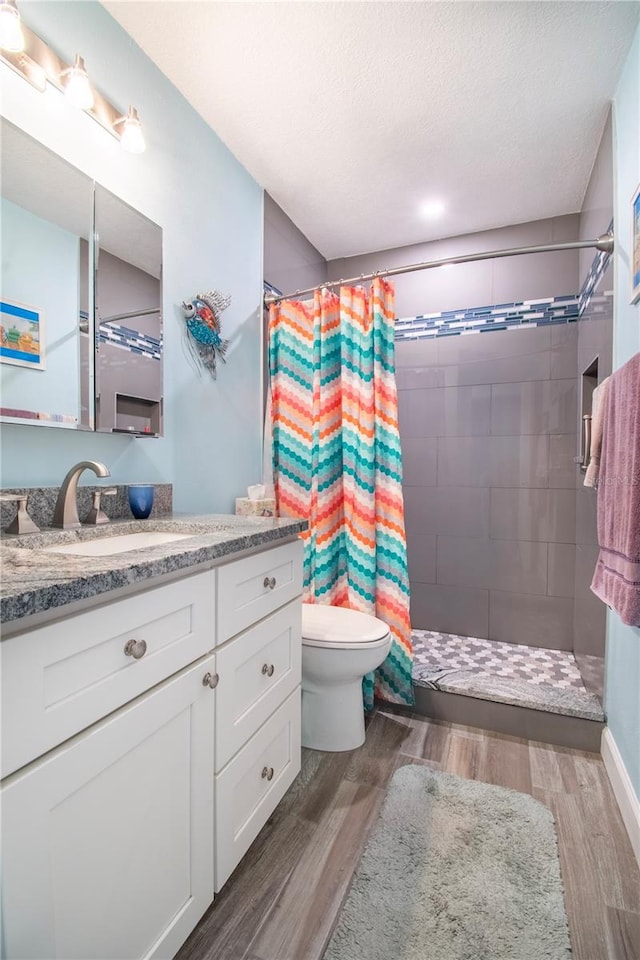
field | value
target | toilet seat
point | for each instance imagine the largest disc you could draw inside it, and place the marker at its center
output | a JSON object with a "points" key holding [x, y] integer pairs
{"points": [[339, 627]]}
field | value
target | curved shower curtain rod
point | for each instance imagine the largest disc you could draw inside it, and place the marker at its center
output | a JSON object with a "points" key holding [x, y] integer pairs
{"points": [[604, 243]]}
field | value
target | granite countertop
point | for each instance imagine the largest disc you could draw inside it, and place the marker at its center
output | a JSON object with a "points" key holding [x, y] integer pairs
{"points": [[35, 581]]}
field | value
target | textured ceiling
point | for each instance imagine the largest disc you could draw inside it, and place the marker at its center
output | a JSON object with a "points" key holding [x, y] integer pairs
{"points": [[353, 115]]}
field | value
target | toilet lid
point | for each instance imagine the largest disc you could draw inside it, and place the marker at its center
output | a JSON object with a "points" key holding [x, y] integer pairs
{"points": [[325, 624]]}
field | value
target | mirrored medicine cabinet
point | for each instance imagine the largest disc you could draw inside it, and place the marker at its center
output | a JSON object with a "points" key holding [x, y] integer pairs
{"points": [[80, 299]]}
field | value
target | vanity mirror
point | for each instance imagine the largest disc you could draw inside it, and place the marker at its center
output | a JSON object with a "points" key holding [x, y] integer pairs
{"points": [[46, 216], [80, 269], [128, 297]]}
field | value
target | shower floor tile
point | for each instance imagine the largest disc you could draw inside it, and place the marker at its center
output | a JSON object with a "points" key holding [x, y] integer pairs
{"points": [[513, 673]]}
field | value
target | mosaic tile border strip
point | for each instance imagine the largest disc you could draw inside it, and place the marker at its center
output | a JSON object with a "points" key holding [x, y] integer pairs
{"points": [[125, 338], [518, 315], [269, 290], [501, 316], [596, 272], [507, 316]]}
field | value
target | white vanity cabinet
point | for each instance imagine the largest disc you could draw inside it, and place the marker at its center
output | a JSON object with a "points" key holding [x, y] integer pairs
{"points": [[134, 785]]}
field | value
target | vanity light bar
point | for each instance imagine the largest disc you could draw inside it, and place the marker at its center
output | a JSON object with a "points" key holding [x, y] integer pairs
{"points": [[11, 36], [38, 64], [76, 85]]}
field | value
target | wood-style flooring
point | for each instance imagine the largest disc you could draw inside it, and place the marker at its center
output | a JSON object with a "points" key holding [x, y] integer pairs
{"points": [[284, 899]]}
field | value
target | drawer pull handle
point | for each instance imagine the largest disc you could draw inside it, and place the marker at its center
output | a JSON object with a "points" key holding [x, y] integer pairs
{"points": [[210, 680], [135, 649], [270, 583], [267, 669], [267, 773]]}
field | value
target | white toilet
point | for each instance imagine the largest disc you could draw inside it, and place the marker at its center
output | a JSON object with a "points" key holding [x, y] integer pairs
{"points": [[339, 647]]}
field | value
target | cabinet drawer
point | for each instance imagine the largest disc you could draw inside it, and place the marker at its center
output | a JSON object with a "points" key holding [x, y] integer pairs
{"points": [[250, 588], [258, 670], [245, 796], [62, 677]]}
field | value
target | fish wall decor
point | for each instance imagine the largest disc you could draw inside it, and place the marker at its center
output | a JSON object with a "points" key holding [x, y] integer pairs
{"points": [[204, 328]]}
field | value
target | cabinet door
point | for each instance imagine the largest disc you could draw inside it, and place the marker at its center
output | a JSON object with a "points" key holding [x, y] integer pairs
{"points": [[108, 840]]}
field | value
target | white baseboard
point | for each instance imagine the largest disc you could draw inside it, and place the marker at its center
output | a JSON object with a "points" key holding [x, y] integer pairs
{"points": [[622, 789]]}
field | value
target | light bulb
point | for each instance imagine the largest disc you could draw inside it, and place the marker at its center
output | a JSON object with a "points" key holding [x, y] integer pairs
{"points": [[432, 209], [11, 36], [131, 136], [76, 85]]}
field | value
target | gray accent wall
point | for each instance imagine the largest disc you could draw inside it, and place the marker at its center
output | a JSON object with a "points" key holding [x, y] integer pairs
{"points": [[595, 331], [595, 340], [291, 262], [597, 206], [480, 283], [488, 428]]}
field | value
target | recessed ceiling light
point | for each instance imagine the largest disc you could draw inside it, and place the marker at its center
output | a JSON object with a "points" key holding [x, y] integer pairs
{"points": [[432, 209]]}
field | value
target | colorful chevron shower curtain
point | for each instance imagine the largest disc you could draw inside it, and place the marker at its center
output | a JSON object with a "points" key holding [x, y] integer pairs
{"points": [[337, 460]]}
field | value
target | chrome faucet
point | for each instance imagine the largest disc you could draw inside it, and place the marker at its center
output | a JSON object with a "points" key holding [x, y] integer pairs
{"points": [[66, 511]]}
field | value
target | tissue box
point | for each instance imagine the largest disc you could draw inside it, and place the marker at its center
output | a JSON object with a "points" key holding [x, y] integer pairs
{"points": [[266, 507]]}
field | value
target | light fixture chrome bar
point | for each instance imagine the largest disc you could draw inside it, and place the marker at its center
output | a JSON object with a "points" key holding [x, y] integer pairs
{"points": [[604, 243], [39, 64]]}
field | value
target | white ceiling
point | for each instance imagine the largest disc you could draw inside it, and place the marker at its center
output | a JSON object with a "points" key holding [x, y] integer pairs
{"points": [[351, 115]]}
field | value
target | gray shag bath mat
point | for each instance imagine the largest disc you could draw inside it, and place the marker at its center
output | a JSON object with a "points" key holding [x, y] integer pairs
{"points": [[455, 870]]}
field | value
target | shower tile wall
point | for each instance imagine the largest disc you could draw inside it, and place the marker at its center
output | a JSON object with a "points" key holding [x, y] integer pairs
{"points": [[467, 284], [595, 339], [488, 427]]}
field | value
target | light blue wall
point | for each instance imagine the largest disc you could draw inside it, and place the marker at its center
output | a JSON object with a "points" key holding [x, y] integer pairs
{"points": [[210, 210], [622, 694], [41, 268]]}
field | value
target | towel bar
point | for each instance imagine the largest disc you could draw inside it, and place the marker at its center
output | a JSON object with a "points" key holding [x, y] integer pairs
{"points": [[586, 441]]}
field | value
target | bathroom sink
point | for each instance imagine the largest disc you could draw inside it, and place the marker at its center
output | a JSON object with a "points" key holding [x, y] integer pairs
{"points": [[106, 546]]}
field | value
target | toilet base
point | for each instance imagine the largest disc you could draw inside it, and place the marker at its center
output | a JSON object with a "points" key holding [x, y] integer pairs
{"points": [[332, 716]]}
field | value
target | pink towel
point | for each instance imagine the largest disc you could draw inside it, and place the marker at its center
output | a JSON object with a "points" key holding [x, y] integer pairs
{"points": [[617, 576], [598, 405]]}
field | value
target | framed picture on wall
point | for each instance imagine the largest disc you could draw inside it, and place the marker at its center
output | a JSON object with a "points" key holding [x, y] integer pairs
{"points": [[21, 335], [635, 247]]}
